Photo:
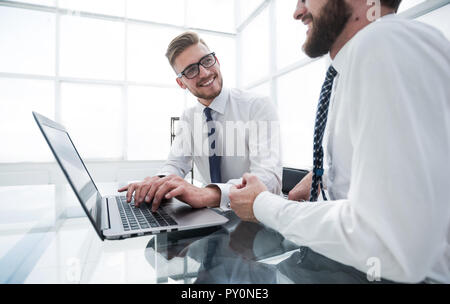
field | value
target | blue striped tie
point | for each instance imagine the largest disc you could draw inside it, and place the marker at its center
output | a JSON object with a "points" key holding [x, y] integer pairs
{"points": [[319, 131], [214, 160]]}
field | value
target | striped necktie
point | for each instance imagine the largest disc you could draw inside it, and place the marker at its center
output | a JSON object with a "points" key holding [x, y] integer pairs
{"points": [[319, 131], [214, 160]]}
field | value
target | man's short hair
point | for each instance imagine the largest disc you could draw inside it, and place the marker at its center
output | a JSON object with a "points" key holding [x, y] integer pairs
{"points": [[181, 43], [391, 3]]}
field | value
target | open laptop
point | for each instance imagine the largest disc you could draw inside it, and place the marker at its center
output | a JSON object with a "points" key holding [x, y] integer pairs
{"points": [[112, 217]]}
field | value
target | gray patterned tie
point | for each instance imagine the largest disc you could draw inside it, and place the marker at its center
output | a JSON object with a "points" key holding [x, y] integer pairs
{"points": [[319, 131]]}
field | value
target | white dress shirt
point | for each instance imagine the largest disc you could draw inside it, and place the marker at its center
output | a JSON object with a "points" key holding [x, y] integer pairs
{"points": [[388, 157], [247, 152]]}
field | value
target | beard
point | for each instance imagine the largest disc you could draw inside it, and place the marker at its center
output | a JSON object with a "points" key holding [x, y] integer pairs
{"points": [[211, 95], [326, 27]]}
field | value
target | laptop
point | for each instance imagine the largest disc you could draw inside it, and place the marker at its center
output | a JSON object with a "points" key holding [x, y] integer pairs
{"points": [[112, 217]]}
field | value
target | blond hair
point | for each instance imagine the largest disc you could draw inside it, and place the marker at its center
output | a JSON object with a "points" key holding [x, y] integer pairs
{"points": [[180, 43]]}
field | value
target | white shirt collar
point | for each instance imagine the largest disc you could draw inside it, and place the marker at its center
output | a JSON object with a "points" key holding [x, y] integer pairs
{"points": [[340, 59], [219, 103]]}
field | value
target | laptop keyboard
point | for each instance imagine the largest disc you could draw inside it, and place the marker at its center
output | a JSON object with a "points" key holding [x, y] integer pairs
{"points": [[141, 218]]}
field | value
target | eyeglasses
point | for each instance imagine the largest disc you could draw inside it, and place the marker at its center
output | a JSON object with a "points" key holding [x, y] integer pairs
{"points": [[193, 70]]}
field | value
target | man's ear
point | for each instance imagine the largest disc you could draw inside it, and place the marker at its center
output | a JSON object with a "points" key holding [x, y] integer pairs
{"points": [[181, 84]]}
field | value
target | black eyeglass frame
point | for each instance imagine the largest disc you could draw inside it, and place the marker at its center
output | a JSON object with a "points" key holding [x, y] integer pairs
{"points": [[198, 66]]}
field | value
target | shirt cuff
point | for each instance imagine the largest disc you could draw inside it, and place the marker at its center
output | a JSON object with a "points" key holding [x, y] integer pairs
{"points": [[266, 207], [165, 173], [224, 196]]}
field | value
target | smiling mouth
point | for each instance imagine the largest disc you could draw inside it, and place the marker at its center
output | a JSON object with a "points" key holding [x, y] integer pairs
{"points": [[208, 83], [308, 21]]}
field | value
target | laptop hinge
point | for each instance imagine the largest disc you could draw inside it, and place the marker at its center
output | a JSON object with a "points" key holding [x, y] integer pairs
{"points": [[106, 225]]}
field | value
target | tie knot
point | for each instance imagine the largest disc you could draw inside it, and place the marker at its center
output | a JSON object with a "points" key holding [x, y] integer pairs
{"points": [[208, 115], [331, 73]]}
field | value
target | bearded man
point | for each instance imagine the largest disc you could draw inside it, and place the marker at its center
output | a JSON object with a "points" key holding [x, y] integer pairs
{"points": [[378, 194]]}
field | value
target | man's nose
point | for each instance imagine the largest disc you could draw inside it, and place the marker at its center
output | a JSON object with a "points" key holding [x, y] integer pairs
{"points": [[203, 72], [300, 10]]}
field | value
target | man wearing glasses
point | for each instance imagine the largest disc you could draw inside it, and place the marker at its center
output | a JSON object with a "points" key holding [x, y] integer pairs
{"points": [[223, 154]]}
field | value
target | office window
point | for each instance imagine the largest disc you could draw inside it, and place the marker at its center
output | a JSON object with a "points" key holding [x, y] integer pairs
{"points": [[298, 96], [212, 14], [149, 113], [91, 61], [256, 49], [106, 63], [167, 11], [291, 34], [106, 7], [27, 40], [225, 49], [92, 48], [146, 60], [21, 140], [93, 116], [40, 2], [246, 8]]}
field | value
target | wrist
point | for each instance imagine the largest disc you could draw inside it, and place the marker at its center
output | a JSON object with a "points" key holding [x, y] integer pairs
{"points": [[212, 195]]}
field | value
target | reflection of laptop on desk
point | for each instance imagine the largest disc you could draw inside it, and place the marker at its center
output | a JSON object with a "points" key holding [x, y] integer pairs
{"points": [[111, 216]]}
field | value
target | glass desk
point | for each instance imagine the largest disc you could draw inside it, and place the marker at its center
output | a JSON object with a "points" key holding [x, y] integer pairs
{"points": [[45, 238]]}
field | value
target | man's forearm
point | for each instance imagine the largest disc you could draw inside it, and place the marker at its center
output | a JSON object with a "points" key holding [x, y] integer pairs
{"points": [[212, 197]]}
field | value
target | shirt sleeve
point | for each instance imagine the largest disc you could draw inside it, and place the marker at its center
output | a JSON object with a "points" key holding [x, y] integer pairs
{"points": [[397, 210], [265, 145], [225, 192], [264, 151]]}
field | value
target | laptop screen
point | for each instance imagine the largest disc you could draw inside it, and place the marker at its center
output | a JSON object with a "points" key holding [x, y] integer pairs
{"points": [[75, 171]]}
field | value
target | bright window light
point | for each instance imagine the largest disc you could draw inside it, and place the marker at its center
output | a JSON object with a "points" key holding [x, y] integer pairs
{"points": [[255, 49], [298, 97], [20, 138], [109, 82], [211, 14], [167, 11], [92, 48], [40, 2], [291, 34], [149, 113], [27, 40], [225, 49], [246, 8], [93, 116], [106, 7], [146, 59]]}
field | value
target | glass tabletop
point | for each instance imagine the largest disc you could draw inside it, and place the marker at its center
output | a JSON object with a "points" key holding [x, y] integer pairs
{"points": [[242, 253], [45, 237]]}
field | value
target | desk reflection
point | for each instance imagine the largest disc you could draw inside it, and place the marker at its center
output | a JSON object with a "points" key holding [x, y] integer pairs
{"points": [[243, 253]]}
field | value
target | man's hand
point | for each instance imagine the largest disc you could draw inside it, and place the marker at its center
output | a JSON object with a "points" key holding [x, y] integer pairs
{"points": [[158, 189], [175, 186], [144, 190], [243, 196], [302, 191]]}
